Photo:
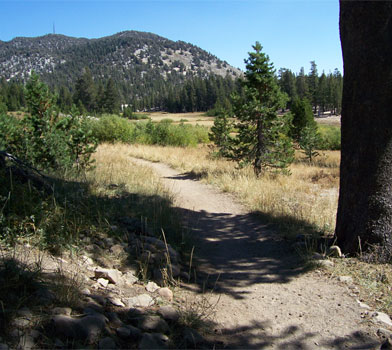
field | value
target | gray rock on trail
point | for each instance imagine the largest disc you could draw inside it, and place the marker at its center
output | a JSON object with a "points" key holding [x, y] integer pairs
{"points": [[346, 279], [153, 324], [382, 318], [152, 287], [154, 341], [116, 302], [169, 313], [142, 300], [384, 333], [129, 278], [103, 282], [112, 275], [107, 343]]}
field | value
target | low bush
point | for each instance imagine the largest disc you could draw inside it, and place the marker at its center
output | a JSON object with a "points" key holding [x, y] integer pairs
{"points": [[111, 128], [330, 137]]}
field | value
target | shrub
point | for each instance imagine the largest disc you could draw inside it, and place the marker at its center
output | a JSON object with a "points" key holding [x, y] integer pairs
{"points": [[330, 137]]}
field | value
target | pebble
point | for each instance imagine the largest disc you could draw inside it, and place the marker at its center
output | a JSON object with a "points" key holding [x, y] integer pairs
{"points": [[116, 302]]}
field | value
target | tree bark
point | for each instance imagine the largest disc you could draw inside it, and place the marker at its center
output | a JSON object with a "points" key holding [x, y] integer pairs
{"points": [[365, 198]]}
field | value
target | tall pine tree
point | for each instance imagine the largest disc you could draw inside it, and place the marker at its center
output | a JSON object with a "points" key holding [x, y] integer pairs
{"points": [[261, 138]]}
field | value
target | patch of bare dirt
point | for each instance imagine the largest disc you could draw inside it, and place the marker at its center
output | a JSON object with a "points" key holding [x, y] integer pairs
{"points": [[268, 299]]}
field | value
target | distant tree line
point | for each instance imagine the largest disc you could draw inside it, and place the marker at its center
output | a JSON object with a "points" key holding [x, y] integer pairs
{"points": [[324, 92], [197, 94]]}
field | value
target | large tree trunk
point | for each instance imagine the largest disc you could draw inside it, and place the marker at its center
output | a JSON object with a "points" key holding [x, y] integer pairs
{"points": [[365, 200]]}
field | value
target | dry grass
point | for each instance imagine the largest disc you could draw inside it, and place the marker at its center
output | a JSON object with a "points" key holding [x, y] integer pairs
{"points": [[196, 118], [309, 195]]}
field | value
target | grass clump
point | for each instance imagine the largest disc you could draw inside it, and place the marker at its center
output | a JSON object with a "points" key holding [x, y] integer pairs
{"points": [[330, 137]]}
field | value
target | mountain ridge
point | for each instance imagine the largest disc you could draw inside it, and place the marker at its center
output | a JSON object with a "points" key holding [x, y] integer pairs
{"points": [[141, 51]]}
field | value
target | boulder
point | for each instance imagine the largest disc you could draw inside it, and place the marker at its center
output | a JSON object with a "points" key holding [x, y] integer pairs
{"points": [[153, 324], [166, 293], [112, 275], [152, 287], [169, 313], [154, 341], [143, 300], [382, 318]]}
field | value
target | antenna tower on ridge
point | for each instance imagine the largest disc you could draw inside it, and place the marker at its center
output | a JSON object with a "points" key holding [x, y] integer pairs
{"points": [[54, 29]]}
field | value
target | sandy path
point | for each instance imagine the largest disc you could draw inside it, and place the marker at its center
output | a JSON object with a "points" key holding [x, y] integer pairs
{"points": [[267, 299]]}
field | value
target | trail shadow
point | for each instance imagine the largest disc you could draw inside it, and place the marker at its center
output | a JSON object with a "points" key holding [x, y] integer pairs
{"points": [[192, 175], [239, 251]]}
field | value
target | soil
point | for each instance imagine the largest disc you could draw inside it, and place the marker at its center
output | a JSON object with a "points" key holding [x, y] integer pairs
{"points": [[267, 298]]}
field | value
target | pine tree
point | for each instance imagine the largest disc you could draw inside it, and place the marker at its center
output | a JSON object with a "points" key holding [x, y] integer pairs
{"points": [[301, 111], [262, 138]]}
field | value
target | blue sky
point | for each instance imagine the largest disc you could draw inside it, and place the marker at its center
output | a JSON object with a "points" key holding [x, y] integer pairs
{"points": [[292, 32]]}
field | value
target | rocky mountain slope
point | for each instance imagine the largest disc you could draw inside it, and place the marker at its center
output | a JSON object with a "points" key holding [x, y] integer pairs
{"points": [[128, 56]]}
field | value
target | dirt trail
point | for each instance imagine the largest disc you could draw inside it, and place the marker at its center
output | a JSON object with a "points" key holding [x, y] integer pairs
{"points": [[267, 299]]}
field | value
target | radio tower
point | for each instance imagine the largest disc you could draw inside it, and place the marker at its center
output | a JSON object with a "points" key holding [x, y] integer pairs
{"points": [[54, 29]]}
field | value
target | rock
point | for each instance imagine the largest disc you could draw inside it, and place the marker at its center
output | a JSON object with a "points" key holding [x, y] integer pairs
{"points": [[143, 300], [99, 299], [107, 343], [117, 249], [116, 302], [192, 338], [363, 305], [169, 313], [4, 346], [382, 318], [114, 320], [152, 287], [112, 275], [123, 332], [85, 291], [87, 328], [87, 260], [154, 341], [346, 279], [324, 263], [384, 333], [128, 332], [67, 327], [153, 324], [129, 278], [166, 293], [20, 322], [62, 311], [335, 251], [92, 326]]}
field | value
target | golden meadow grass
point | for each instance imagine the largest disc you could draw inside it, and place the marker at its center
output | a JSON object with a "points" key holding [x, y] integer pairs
{"points": [[309, 195]]}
